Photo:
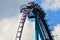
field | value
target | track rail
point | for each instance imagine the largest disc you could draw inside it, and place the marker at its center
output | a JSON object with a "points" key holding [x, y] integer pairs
{"points": [[21, 25]]}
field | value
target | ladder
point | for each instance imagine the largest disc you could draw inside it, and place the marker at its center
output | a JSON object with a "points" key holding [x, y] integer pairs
{"points": [[21, 25]]}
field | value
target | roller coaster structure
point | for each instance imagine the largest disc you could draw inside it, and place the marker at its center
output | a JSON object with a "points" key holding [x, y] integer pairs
{"points": [[41, 27]]}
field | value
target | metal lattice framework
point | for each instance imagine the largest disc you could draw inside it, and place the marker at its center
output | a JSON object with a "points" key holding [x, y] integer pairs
{"points": [[22, 21], [41, 27]]}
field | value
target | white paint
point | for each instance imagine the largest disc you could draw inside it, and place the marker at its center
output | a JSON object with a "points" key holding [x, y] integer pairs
{"points": [[21, 24], [17, 38], [22, 21], [18, 34], [19, 29]]}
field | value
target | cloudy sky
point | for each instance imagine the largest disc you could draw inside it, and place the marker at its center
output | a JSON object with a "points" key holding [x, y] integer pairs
{"points": [[10, 17]]}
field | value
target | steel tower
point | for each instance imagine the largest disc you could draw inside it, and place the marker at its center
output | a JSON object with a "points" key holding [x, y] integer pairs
{"points": [[41, 27]]}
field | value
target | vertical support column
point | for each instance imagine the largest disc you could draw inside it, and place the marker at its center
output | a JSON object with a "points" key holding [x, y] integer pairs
{"points": [[38, 29]]}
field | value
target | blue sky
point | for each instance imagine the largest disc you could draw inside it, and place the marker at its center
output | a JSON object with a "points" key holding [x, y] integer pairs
{"points": [[10, 9], [10, 14], [9, 20], [52, 15]]}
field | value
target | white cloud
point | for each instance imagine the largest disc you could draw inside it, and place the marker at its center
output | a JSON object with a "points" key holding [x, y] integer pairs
{"points": [[10, 8], [25, 1], [28, 32], [8, 26], [51, 4], [56, 32], [8, 29]]}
